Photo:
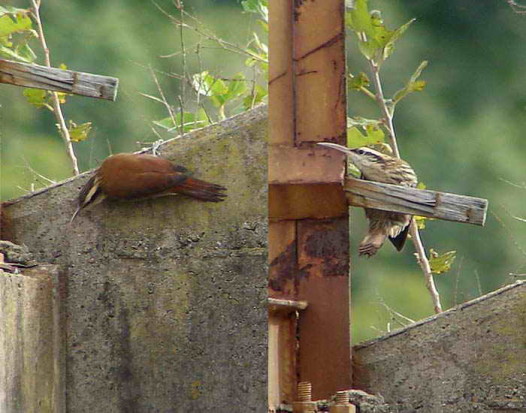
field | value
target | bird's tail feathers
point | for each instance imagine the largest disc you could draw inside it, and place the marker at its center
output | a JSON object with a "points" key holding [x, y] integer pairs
{"points": [[201, 190]]}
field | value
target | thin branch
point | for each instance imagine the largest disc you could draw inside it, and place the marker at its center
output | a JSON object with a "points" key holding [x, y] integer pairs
{"points": [[457, 278], [180, 6], [517, 8], [207, 35], [364, 90], [423, 261], [28, 166], [420, 254], [163, 99], [388, 115], [57, 110]]}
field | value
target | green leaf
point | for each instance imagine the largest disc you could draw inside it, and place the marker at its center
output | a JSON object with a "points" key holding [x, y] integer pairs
{"points": [[79, 133], [395, 35], [359, 121], [17, 23], [371, 135], [237, 86], [369, 48], [259, 7], [255, 97], [420, 221], [359, 19], [6, 51], [62, 97], [413, 85], [13, 21], [359, 81], [190, 121], [12, 10], [203, 83], [36, 97], [441, 263]]}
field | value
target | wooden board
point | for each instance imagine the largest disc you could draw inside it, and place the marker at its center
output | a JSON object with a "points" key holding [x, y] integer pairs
{"points": [[432, 204], [58, 80]]}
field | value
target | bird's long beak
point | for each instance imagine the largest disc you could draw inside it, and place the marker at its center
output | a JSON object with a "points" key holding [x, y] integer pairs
{"points": [[340, 148], [75, 214]]}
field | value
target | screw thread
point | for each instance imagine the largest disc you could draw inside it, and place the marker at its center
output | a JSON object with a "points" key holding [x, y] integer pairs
{"points": [[304, 391], [342, 398]]}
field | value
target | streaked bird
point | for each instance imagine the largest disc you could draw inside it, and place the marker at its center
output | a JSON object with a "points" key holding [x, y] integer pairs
{"points": [[379, 167], [128, 176]]}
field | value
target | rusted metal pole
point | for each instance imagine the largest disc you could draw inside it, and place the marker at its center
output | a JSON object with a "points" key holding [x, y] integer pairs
{"points": [[309, 228]]}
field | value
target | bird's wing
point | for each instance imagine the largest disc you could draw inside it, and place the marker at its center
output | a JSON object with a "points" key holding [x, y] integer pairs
{"points": [[399, 240], [143, 184]]}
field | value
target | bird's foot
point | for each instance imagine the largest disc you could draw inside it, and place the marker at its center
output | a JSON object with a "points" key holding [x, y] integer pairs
{"points": [[155, 147]]}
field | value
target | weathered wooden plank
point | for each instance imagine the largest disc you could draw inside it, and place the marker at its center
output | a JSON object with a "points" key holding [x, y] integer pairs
{"points": [[432, 204], [58, 80]]}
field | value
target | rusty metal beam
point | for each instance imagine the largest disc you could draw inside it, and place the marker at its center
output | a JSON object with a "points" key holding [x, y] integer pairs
{"points": [[308, 228]]}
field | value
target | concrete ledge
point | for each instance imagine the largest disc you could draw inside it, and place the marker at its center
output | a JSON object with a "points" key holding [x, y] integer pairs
{"points": [[30, 342], [470, 358]]}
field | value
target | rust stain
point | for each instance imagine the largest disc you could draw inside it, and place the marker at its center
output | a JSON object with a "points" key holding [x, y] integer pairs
{"points": [[297, 5], [329, 246], [284, 269], [324, 45], [277, 77], [307, 73]]}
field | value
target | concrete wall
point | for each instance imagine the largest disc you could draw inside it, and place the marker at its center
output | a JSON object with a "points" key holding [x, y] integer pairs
{"points": [[166, 299], [30, 342], [472, 358]]}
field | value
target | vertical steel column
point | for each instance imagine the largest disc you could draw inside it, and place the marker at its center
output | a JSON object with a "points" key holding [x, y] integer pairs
{"points": [[308, 228]]}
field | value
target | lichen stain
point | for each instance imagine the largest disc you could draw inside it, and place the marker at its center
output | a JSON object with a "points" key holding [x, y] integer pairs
{"points": [[195, 390]]}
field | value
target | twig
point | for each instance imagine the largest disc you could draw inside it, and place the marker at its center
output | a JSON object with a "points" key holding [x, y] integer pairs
{"points": [[207, 35], [364, 90], [510, 233], [517, 8], [388, 116], [28, 166], [393, 314], [426, 267], [57, 110], [163, 99], [478, 281], [420, 254], [180, 6], [457, 278]]}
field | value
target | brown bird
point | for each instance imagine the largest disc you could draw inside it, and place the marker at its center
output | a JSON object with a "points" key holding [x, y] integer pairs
{"points": [[128, 176], [379, 167]]}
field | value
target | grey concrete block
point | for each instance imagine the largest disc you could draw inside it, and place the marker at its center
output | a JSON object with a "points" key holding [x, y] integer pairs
{"points": [[166, 298], [469, 359], [31, 364]]}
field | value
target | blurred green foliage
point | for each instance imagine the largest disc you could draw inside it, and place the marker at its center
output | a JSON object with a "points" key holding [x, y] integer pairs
{"points": [[464, 133]]}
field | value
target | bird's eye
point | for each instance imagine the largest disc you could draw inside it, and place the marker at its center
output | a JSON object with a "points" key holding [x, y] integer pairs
{"points": [[360, 151]]}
